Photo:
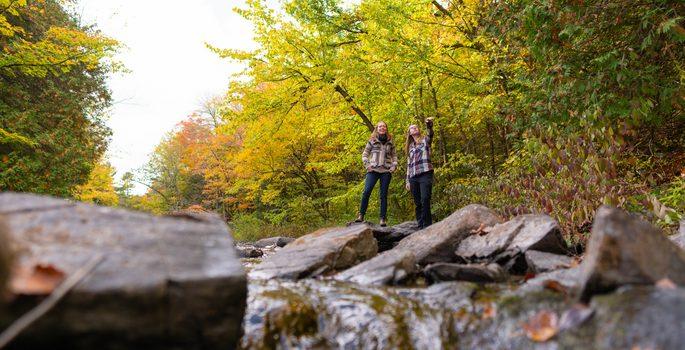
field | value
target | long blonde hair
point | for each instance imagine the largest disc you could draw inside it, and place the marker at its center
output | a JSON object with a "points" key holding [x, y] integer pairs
{"points": [[410, 140], [374, 134]]}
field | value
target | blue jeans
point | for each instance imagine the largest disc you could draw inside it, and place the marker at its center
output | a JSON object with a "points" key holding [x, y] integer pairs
{"points": [[371, 179]]}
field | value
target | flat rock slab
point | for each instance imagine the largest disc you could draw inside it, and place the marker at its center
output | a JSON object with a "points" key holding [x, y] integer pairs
{"points": [[438, 242], [539, 262], [467, 273], [165, 282], [506, 243], [274, 241], [321, 252], [625, 249], [394, 267], [389, 236]]}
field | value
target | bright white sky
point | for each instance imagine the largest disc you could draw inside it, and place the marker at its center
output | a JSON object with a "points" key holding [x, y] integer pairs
{"points": [[172, 70]]}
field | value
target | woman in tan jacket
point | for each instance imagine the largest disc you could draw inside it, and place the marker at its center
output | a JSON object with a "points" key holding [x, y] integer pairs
{"points": [[380, 161]]}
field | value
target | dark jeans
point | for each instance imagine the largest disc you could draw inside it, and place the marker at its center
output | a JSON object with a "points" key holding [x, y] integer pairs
{"points": [[421, 187], [371, 179]]}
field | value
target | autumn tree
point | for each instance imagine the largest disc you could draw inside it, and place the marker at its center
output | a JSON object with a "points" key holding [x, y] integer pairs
{"points": [[53, 97]]}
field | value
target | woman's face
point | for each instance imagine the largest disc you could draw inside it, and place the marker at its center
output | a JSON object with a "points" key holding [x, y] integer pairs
{"points": [[414, 130], [381, 128]]}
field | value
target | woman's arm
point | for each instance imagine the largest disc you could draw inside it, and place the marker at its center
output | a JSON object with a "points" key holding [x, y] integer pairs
{"points": [[365, 155], [394, 160], [429, 131]]}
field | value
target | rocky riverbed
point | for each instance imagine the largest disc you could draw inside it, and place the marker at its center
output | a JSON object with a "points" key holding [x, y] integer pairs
{"points": [[471, 281], [506, 285]]}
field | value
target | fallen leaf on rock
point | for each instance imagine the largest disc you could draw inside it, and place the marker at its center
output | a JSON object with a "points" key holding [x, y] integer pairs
{"points": [[665, 283], [575, 262], [638, 348], [575, 316], [489, 312], [558, 288], [39, 280], [482, 230], [543, 326], [528, 276]]}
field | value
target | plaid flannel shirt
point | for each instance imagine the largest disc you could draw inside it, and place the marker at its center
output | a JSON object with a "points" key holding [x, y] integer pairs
{"points": [[419, 160]]}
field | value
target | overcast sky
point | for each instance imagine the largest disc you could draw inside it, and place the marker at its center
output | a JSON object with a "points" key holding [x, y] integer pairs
{"points": [[172, 70]]}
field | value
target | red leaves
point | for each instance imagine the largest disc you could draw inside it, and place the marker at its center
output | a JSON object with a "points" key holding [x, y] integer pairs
{"points": [[489, 312], [665, 283], [39, 280]]}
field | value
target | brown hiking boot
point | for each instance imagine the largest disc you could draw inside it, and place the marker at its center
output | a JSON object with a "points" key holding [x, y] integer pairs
{"points": [[382, 223], [360, 218]]}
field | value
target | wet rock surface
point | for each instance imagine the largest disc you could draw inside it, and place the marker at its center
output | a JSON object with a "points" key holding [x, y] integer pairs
{"points": [[539, 262], [506, 243], [321, 252], [395, 267], [165, 282], [438, 242], [624, 249], [273, 241], [465, 272], [389, 236], [326, 314]]}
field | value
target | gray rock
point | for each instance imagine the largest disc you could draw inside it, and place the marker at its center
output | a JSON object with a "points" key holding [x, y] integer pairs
{"points": [[624, 249], [394, 267], [250, 253], [506, 243], [165, 282], [438, 242], [679, 237], [321, 252], [567, 278], [539, 262], [389, 236], [274, 241], [468, 273]]}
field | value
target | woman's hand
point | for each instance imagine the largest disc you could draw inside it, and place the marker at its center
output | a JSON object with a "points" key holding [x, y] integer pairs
{"points": [[369, 169], [429, 119], [408, 187]]}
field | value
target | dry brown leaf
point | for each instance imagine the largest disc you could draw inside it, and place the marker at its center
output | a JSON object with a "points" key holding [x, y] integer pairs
{"points": [[482, 230], [574, 262], [543, 326], [557, 287], [489, 312], [665, 283], [38, 280]]}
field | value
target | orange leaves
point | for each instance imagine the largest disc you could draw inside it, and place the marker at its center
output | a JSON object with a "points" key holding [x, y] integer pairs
{"points": [[489, 312], [542, 326], [545, 324], [39, 280]]}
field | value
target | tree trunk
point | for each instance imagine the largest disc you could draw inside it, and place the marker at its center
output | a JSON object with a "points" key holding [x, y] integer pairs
{"points": [[461, 129]]}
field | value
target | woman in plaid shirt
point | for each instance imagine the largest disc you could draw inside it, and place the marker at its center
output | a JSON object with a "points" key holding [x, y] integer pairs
{"points": [[420, 171]]}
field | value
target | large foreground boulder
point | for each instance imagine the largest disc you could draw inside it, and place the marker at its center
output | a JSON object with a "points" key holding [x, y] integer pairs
{"points": [[507, 243], [321, 252], [389, 236], [438, 242], [625, 249], [164, 283], [394, 267]]}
